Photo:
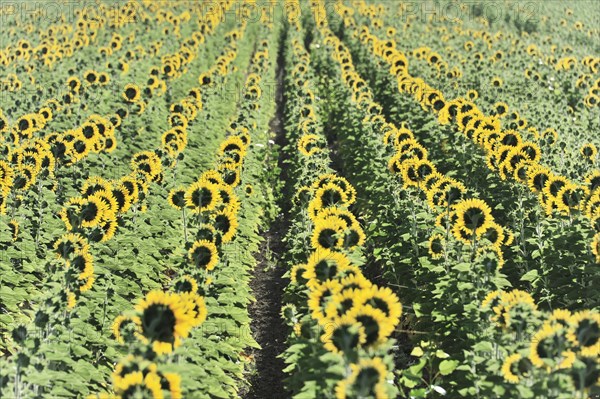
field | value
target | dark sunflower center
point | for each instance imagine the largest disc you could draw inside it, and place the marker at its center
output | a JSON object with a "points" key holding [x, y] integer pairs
{"points": [[158, 323], [202, 197], [474, 218], [202, 256], [130, 93]]}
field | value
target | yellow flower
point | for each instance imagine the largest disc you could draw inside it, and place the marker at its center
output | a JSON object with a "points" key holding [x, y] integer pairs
{"points": [[366, 380], [203, 254]]}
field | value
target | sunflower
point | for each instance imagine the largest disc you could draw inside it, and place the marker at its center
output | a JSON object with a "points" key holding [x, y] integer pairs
{"points": [[584, 332], [329, 195], [549, 348], [596, 247], [203, 254], [165, 320], [196, 307], [339, 181], [437, 244], [176, 197], [69, 244], [324, 264], [131, 93], [171, 382], [296, 274], [82, 264], [592, 179], [202, 196], [320, 296], [226, 223], [328, 233], [13, 226], [366, 380], [537, 177], [126, 328], [589, 151], [344, 335], [384, 299], [137, 385], [378, 326], [308, 144], [230, 174], [474, 215], [554, 185], [494, 233], [515, 367]]}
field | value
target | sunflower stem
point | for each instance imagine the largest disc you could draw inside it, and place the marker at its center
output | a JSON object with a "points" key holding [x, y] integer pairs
{"points": [[184, 225]]}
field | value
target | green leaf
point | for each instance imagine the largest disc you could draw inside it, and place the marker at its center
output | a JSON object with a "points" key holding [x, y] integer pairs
{"points": [[448, 366], [531, 275], [417, 351]]}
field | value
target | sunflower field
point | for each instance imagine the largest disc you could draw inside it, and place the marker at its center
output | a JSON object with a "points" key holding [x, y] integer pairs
{"points": [[345, 199]]}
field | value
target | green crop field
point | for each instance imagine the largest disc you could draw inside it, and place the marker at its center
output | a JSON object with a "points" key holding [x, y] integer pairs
{"points": [[310, 199]]}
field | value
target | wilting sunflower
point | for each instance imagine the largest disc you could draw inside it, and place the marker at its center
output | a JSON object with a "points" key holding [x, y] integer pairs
{"points": [[474, 215], [367, 380], [515, 367], [202, 196], [203, 254], [164, 320], [131, 93]]}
